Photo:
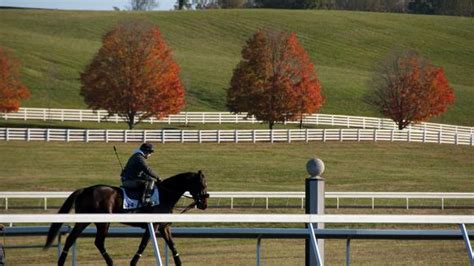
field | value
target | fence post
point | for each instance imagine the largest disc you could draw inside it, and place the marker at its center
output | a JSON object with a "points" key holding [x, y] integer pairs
{"points": [[106, 135], [125, 136], [87, 135], [25, 114], [271, 135], [324, 135], [306, 135], [7, 131], [28, 134], [314, 186], [163, 136], [144, 135], [67, 135], [340, 135], [47, 134], [288, 135], [182, 132], [439, 137], [236, 136], [199, 136], [219, 135], [98, 116], [254, 136]]}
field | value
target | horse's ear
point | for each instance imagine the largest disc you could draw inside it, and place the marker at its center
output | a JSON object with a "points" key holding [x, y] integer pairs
{"points": [[200, 172]]}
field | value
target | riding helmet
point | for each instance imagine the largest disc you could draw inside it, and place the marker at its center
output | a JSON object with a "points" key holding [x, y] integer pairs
{"points": [[147, 148]]}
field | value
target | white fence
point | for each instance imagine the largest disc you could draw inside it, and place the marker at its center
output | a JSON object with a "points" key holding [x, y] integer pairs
{"points": [[442, 196], [226, 117], [236, 218], [252, 135]]}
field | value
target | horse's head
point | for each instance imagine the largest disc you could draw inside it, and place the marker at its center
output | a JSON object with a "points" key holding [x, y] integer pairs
{"points": [[198, 189]]}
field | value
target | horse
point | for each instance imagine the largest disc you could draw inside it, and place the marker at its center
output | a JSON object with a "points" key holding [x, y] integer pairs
{"points": [[109, 199]]}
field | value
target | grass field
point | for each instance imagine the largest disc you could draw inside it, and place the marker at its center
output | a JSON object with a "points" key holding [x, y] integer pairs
{"points": [[55, 46], [41, 166], [352, 166]]}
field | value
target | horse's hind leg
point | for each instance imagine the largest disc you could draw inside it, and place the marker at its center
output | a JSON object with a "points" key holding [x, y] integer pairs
{"points": [[102, 231], [165, 231], [76, 231]]}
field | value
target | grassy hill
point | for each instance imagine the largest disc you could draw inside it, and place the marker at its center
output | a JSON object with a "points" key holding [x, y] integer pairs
{"points": [[55, 46]]}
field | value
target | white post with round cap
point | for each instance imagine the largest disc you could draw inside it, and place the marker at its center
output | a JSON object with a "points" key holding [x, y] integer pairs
{"points": [[314, 186]]}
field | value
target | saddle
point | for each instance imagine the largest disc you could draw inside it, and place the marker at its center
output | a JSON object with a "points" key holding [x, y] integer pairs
{"points": [[132, 198]]}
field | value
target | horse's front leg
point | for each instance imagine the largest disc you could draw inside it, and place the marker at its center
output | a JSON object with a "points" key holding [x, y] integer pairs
{"points": [[165, 231], [141, 248]]}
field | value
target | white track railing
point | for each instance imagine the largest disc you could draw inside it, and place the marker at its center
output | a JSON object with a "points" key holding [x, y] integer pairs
{"points": [[236, 218], [218, 136], [83, 115], [442, 196]]}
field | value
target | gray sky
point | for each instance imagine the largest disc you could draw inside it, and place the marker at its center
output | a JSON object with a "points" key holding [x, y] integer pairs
{"points": [[81, 4]]}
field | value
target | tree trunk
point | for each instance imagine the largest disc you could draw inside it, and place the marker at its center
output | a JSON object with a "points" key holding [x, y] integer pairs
{"points": [[131, 121]]}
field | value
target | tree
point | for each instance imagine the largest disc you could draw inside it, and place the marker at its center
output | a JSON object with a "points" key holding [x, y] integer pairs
{"points": [[231, 3], [133, 75], [293, 4], [143, 5], [12, 91], [275, 80], [409, 89]]}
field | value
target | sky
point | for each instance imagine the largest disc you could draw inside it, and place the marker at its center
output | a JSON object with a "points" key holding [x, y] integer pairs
{"points": [[81, 4]]}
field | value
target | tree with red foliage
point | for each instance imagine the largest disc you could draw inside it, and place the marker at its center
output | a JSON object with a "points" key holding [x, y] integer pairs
{"points": [[409, 89], [275, 81], [133, 75], [12, 91]]}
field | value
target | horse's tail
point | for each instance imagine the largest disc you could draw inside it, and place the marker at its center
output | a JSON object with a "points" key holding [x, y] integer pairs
{"points": [[65, 208]]}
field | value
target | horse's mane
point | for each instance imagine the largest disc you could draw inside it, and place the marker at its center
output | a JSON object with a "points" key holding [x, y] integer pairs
{"points": [[176, 178]]}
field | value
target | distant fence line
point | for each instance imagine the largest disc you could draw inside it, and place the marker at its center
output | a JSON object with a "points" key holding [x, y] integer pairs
{"points": [[231, 195], [85, 115], [235, 136]]}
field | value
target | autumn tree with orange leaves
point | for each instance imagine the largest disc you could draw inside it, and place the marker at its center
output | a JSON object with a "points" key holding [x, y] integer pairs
{"points": [[12, 91], [409, 89], [275, 81], [133, 75]]}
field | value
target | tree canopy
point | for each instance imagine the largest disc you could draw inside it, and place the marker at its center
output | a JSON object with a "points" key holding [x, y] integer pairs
{"points": [[275, 80], [409, 89], [12, 91], [133, 75]]}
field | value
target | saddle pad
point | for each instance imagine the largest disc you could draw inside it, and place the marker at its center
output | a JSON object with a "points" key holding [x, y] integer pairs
{"points": [[130, 202]]}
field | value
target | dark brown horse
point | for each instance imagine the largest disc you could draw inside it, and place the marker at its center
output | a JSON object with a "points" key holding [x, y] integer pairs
{"points": [[108, 199]]}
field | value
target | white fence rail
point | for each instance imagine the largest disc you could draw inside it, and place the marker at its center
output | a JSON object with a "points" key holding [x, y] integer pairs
{"points": [[442, 196], [83, 115], [236, 218], [252, 135]]}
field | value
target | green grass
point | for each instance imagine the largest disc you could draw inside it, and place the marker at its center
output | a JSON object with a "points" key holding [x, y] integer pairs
{"points": [[352, 166], [55, 46], [42, 166]]}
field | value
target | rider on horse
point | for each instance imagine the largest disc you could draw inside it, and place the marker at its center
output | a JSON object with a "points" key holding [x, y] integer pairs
{"points": [[137, 173]]}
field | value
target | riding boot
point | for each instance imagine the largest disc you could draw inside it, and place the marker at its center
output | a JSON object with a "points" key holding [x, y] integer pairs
{"points": [[146, 198]]}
